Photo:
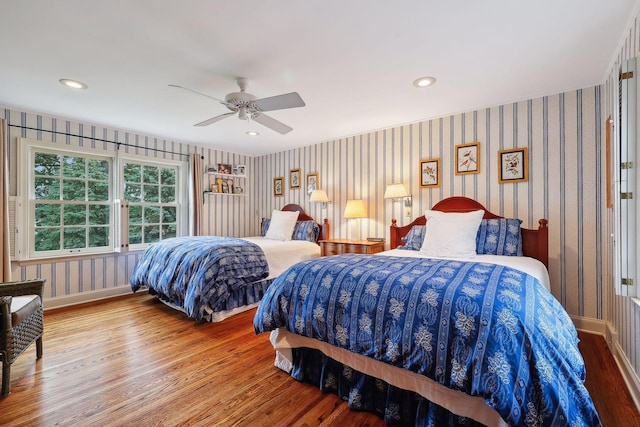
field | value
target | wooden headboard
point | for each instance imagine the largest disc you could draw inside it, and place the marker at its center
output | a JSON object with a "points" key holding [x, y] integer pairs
{"points": [[303, 216], [535, 243]]}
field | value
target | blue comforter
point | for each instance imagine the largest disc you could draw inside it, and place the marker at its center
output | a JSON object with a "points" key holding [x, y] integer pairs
{"points": [[483, 329], [198, 273]]}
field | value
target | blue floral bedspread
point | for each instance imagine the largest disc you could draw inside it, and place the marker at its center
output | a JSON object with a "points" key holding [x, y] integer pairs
{"points": [[483, 329], [197, 273]]}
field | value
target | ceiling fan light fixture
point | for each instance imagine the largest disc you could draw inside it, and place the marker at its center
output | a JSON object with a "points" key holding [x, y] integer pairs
{"points": [[424, 81], [74, 84]]}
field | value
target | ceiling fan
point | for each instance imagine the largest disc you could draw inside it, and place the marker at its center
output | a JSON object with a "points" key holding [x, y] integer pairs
{"points": [[248, 107]]}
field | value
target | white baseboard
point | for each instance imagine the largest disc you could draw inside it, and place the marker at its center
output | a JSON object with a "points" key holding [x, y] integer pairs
{"points": [[67, 300], [587, 324], [628, 374]]}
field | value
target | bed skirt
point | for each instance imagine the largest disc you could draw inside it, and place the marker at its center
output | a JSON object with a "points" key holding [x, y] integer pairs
{"points": [[242, 299], [398, 396]]}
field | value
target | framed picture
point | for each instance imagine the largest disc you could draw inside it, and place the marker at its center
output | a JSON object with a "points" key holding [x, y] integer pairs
{"points": [[512, 165], [214, 188], [224, 168], [429, 173], [312, 182], [468, 158], [211, 169], [238, 189], [278, 186], [242, 170], [294, 178]]}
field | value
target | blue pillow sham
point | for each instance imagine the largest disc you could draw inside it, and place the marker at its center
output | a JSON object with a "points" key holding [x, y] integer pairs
{"points": [[303, 230], [500, 236]]}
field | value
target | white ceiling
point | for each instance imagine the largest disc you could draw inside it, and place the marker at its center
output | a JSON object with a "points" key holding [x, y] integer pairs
{"points": [[353, 62]]}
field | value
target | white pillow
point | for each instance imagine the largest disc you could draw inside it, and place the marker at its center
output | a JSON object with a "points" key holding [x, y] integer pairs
{"points": [[281, 226], [451, 234]]}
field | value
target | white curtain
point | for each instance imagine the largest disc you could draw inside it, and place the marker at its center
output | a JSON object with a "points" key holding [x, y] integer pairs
{"points": [[4, 196], [196, 188]]}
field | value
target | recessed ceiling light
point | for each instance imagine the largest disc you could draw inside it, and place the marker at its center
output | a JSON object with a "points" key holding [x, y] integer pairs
{"points": [[252, 133], [424, 81], [75, 84]]}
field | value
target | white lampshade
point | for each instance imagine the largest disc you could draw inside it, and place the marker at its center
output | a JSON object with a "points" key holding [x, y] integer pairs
{"points": [[319, 196], [355, 209], [395, 191]]}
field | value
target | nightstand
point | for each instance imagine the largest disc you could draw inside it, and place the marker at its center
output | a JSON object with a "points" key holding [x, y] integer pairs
{"points": [[340, 246]]}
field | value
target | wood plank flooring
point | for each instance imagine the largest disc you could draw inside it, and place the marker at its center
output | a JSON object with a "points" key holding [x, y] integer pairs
{"points": [[132, 361]]}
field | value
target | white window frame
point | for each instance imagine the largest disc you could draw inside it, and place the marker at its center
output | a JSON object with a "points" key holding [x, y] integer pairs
{"points": [[28, 201], [118, 229], [181, 197]]}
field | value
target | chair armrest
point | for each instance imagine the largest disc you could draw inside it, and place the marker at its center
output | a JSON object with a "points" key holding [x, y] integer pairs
{"points": [[23, 287]]}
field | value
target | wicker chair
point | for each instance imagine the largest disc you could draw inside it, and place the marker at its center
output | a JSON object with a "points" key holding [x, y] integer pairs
{"points": [[21, 322]]}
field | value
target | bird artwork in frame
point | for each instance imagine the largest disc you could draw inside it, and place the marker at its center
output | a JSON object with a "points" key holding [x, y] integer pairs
{"points": [[468, 158]]}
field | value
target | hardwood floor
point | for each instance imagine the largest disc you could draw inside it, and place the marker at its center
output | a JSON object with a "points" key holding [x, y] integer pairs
{"points": [[105, 365]]}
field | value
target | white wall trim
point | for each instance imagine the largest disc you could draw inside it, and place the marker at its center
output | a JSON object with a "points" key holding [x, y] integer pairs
{"points": [[83, 297], [628, 374], [587, 324]]}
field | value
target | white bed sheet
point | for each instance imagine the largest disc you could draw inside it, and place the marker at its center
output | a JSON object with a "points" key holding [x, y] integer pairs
{"points": [[283, 254], [527, 264]]}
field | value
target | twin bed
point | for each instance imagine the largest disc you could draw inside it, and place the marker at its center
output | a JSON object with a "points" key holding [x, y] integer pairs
{"points": [[429, 334], [210, 278]]}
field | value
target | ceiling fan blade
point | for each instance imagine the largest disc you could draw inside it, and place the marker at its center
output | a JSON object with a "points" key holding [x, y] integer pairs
{"points": [[279, 102], [215, 119], [199, 93], [271, 123]]}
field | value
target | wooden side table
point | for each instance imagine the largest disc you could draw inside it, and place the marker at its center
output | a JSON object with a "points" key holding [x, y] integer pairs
{"points": [[343, 246]]}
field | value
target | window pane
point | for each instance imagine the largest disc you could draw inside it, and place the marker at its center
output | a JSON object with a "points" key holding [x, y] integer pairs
{"points": [[47, 215], [47, 164], [99, 170], [151, 233], [168, 214], [151, 193], [99, 215], [75, 238], [135, 215], [75, 214], [73, 190], [168, 176], [135, 234], [132, 172], [98, 191], [151, 175], [73, 167], [47, 189], [133, 192], [168, 194], [98, 237], [169, 231], [47, 239], [151, 214]]}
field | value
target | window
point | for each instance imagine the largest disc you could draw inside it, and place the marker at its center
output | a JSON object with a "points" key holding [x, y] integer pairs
{"points": [[151, 191], [69, 200]]}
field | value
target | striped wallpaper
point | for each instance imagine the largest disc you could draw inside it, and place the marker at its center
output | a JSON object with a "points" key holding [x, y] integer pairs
{"points": [[563, 137]]}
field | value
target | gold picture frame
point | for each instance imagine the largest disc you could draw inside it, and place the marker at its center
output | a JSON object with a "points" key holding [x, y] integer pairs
{"points": [[294, 178], [278, 186], [430, 173], [312, 181], [467, 158], [513, 165]]}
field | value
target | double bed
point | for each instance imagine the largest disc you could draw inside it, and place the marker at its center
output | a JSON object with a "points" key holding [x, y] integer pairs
{"points": [[429, 334], [210, 278]]}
